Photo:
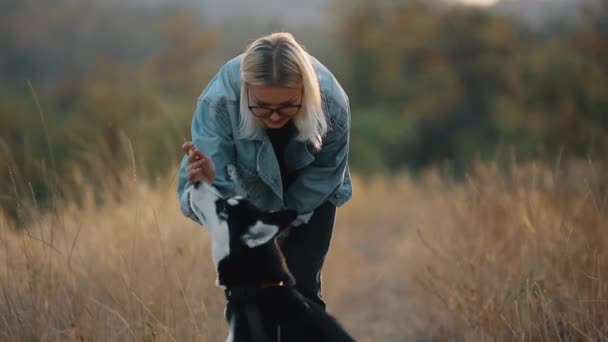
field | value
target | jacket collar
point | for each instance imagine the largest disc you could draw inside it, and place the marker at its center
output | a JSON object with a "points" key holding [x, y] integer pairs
{"points": [[297, 155]]}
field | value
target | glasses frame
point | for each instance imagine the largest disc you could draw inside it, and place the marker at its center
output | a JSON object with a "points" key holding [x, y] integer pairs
{"points": [[275, 110]]}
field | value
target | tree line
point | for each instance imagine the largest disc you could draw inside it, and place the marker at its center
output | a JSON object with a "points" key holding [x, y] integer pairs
{"points": [[104, 87]]}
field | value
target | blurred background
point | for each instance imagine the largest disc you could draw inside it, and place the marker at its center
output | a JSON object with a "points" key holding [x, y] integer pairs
{"points": [[430, 82], [96, 97]]}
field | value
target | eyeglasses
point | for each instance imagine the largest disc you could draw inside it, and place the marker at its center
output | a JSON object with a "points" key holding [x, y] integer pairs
{"points": [[265, 112]]}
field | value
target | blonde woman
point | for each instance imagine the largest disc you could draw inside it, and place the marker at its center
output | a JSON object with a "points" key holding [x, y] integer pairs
{"points": [[273, 127]]}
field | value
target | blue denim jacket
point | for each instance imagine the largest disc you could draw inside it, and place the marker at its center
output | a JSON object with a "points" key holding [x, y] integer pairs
{"points": [[249, 168]]}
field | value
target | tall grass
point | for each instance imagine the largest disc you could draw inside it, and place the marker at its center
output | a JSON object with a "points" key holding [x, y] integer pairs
{"points": [[518, 255]]}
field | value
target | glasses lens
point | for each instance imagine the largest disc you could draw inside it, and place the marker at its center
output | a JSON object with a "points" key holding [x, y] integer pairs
{"points": [[289, 111], [262, 112]]}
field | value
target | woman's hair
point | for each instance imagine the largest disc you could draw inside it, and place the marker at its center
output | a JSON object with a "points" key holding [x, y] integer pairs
{"points": [[278, 60]]}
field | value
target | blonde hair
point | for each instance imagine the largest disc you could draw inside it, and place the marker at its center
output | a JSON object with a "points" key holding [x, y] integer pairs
{"points": [[278, 60]]}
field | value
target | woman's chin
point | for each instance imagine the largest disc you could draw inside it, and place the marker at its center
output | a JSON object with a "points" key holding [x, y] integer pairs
{"points": [[275, 124]]}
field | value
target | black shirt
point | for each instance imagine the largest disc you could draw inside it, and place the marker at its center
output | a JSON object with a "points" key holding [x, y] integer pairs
{"points": [[279, 137]]}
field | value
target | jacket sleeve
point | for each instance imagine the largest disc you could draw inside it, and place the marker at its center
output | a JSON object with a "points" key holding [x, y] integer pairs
{"points": [[318, 181], [211, 134]]}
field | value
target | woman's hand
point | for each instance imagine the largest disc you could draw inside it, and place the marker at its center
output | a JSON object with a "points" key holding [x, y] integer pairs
{"points": [[200, 167]]}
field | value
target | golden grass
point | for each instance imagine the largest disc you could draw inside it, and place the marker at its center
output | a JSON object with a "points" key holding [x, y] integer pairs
{"points": [[496, 257]]}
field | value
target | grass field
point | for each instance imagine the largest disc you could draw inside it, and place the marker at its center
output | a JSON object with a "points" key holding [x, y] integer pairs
{"points": [[517, 256]]}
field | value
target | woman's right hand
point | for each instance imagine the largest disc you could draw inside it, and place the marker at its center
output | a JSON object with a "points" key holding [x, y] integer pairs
{"points": [[200, 167]]}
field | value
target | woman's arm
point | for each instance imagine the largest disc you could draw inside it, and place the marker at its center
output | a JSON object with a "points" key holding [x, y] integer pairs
{"points": [[212, 135]]}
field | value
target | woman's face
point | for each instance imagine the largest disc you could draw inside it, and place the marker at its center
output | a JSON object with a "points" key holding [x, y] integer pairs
{"points": [[283, 99]]}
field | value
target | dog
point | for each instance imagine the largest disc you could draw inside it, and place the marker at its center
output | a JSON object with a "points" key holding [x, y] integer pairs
{"points": [[252, 269]]}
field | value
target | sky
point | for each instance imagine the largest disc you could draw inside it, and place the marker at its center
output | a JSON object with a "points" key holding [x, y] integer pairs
{"points": [[479, 2], [316, 13]]}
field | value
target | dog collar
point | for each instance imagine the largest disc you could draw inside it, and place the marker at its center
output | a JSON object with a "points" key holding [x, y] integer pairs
{"points": [[273, 284]]}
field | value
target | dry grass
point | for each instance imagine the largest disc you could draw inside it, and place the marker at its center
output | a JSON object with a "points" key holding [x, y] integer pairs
{"points": [[516, 257]]}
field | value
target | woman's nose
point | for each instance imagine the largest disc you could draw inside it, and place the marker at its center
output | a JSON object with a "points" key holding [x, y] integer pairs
{"points": [[275, 116]]}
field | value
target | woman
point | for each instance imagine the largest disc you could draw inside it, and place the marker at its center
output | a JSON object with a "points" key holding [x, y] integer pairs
{"points": [[273, 126]]}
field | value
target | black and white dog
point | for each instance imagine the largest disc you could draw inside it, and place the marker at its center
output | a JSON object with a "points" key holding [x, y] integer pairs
{"points": [[252, 269]]}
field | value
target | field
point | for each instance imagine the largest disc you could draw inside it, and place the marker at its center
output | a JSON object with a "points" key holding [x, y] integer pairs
{"points": [[516, 255]]}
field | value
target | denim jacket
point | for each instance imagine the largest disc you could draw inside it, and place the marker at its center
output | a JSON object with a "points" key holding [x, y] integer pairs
{"points": [[249, 167]]}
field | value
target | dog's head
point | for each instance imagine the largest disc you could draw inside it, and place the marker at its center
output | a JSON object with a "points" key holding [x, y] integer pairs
{"points": [[235, 224]]}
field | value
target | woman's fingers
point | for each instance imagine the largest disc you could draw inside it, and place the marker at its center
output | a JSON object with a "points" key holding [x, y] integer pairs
{"points": [[205, 164], [194, 155], [200, 174], [195, 172], [195, 175], [201, 170], [187, 146], [191, 150], [200, 167], [208, 170], [197, 164]]}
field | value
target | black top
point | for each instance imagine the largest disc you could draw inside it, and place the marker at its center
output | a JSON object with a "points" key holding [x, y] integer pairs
{"points": [[279, 137]]}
